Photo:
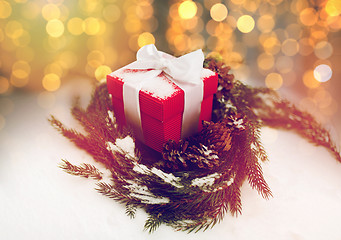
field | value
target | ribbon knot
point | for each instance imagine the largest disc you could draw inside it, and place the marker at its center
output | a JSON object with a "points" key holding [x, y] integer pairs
{"points": [[186, 68], [165, 64]]}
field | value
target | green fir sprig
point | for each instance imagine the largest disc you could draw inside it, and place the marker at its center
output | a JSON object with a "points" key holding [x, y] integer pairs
{"points": [[84, 170], [192, 184]]}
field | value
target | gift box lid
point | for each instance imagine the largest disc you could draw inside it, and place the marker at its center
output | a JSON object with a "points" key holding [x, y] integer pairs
{"points": [[159, 97]]}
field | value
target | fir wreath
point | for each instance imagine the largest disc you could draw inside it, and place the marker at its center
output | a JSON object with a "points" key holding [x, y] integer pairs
{"points": [[195, 182]]}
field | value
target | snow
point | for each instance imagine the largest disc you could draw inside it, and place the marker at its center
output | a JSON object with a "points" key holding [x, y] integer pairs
{"points": [[125, 145], [167, 177], [140, 168], [159, 87], [143, 193], [111, 116], [40, 201], [207, 73], [206, 181]]}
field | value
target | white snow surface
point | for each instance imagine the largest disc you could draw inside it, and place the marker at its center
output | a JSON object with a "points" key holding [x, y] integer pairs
{"points": [[125, 145], [40, 201]]}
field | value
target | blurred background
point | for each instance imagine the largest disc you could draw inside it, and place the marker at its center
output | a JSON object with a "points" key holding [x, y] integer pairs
{"points": [[291, 46]]}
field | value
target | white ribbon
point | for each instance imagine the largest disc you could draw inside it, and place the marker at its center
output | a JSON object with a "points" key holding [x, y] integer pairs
{"points": [[185, 71]]}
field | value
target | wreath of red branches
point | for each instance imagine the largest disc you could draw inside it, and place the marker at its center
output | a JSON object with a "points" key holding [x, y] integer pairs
{"points": [[192, 184]]}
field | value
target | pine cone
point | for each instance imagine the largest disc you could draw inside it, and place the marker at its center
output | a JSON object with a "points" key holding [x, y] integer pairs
{"points": [[188, 155], [217, 136], [236, 122], [225, 79]]}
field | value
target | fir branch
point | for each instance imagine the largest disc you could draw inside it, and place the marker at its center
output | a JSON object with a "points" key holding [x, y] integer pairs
{"points": [[131, 210], [110, 191], [152, 223], [303, 123], [84, 170], [91, 144], [79, 139], [225, 154], [256, 179]]}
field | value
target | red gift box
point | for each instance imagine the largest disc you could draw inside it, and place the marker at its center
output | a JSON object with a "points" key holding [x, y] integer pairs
{"points": [[162, 97], [161, 117]]}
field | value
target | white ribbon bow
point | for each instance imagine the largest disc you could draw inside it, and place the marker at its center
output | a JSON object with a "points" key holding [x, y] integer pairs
{"points": [[185, 71], [186, 68]]}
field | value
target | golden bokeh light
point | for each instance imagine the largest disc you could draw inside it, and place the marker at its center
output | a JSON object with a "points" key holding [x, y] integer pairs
{"points": [[284, 64], [245, 23], [333, 8], [91, 26], [334, 23], [68, 59], [55, 28], [323, 50], [54, 68], [23, 40], [290, 47], [309, 80], [144, 10], [133, 25], [145, 39], [111, 13], [50, 11], [32, 10], [18, 82], [294, 31], [308, 16], [5, 9], [274, 81], [21, 70], [197, 41], [55, 44], [265, 23], [239, 2], [265, 61], [75, 26], [218, 12], [101, 72], [209, 3], [4, 85], [95, 58], [251, 6], [211, 27], [13, 29], [111, 55], [90, 6], [306, 46], [286, 43], [270, 43], [187, 9], [132, 43], [189, 24], [51, 82], [181, 42]]}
